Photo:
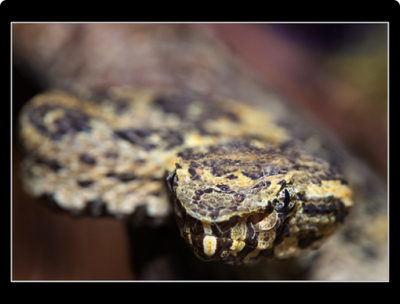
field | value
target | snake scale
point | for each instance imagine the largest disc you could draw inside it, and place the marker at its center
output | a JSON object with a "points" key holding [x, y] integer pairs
{"points": [[243, 189], [194, 136]]}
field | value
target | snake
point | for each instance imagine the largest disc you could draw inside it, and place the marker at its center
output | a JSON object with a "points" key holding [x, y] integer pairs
{"points": [[241, 187]]}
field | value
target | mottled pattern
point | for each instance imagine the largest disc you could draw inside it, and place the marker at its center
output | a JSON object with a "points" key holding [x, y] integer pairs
{"points": [[243, 188]]}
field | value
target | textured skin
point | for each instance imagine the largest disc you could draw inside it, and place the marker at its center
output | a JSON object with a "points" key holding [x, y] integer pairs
{"points": [[243, 188]]}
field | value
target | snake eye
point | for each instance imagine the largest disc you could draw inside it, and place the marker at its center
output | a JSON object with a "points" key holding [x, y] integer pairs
{"points": [[172, 181], [284, 202]]}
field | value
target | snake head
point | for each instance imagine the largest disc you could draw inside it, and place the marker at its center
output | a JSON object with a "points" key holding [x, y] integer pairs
{"points": [[240, 204]]}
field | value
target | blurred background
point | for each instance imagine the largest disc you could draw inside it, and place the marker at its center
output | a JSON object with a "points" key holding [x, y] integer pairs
{"points": [[335, 72]]}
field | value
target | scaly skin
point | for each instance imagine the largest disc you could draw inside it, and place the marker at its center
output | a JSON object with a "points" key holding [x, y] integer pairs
{"points": [[244, 189]]}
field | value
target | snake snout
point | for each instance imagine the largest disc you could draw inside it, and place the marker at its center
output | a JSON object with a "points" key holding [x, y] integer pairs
{"points": [[229, 241]]}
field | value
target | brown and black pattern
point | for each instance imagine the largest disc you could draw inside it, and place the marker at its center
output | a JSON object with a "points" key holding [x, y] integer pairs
{"points": [[244, 189]]}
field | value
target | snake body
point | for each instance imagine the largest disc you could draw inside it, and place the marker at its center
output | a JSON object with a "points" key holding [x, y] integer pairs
{"points": [[243, 189]]}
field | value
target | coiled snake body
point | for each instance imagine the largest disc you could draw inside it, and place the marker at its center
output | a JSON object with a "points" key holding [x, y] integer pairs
{"points": [[243, 188]]}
